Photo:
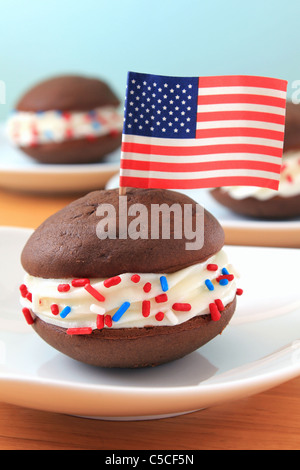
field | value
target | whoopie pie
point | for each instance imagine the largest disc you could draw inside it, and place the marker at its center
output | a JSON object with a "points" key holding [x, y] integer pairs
{"points": [[267, 203], [67, 119], [126, 302]]}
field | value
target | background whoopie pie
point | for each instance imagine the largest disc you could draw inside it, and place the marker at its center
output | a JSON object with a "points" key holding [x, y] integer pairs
{"points": [[67, 119], [267, 203]]}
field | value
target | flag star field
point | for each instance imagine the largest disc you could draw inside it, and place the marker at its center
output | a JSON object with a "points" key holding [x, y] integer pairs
{"points": [[164, 109]]}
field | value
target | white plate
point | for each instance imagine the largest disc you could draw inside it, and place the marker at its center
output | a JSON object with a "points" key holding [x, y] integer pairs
{"points": [[241, 230], [19, 172], [258, 350]]}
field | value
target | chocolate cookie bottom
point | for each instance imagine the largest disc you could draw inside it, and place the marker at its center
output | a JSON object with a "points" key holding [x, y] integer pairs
{"points": [[135, 347], [77, 151]]}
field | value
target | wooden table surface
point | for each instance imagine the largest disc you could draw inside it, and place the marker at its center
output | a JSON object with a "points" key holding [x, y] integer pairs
{"points": [[269, 420]]}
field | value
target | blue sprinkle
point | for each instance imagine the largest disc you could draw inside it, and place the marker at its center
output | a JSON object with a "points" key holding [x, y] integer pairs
{"points": [[224, 271], [119, 313], [96, 125], [65, 312], [49, 135], [92, 114], [223, 282], [164, 283], [209, 284]]}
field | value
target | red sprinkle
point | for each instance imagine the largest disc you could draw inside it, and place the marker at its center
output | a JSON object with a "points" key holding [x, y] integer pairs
{"points": [[146, 308], [34, 130], [135, 278], [179, 307], [161, 298], [147, 287], [239, 291], [54, 309], [160, 316], [215, 314], [79, 331], [212, 267], [220, 305], [80, 282], [33, 143], [29, 297], [283, 167], [63, 287], [230, 277], [108, 321], [66, 115], [28, 317], [23, 290], [94, 293], [289, 178], [113, 281], [69, 133], [100, 322]]}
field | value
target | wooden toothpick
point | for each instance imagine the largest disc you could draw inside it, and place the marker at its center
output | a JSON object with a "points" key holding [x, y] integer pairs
{"points": [[122, 191]]}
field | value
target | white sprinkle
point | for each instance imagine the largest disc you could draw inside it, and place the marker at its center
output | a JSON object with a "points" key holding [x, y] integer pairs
{"points": [[171, 317]]}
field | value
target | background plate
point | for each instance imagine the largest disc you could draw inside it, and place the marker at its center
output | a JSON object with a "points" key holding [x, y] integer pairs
{"points": [[19, 172], [258, 350]]}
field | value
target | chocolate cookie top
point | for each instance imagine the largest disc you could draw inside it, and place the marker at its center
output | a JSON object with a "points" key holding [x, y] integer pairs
{"points": [[68, 93], [292, 127], [67, 245]]}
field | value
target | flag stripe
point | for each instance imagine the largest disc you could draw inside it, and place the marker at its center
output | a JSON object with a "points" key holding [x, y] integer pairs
{"points": [[163, 142], [239, 132], [204, 174], [226, 90], [148, 182], [219, 107], [200, 150], [199, 166], [242, 80], [239, 123], [242, 98], [204, 158], [239, 115]]}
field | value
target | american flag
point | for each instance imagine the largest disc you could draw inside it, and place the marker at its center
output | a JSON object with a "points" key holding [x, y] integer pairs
{"points": [[202, 132]]}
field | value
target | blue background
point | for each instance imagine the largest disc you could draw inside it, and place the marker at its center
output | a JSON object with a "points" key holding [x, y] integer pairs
{"points": [[106, 38]]}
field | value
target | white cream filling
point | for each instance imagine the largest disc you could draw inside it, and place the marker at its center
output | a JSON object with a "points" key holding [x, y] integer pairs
{"points": [[186, 286], [26, 129], [289, 185]]}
